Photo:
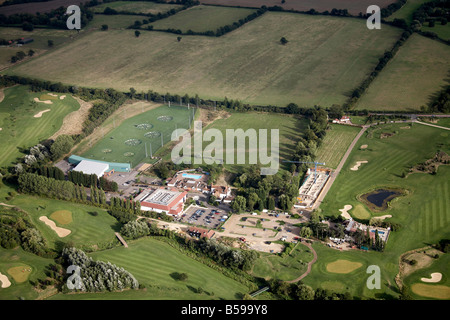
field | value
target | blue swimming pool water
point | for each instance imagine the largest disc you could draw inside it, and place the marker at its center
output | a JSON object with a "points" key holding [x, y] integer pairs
{"points": [[192, 176]]}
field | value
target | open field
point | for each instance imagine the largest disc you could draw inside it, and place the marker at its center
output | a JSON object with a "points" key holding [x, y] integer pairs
{"points": [[418, 71], [119, 21], [34, 7], [253, 66], [353, 7], [442, 32], [424, 212], [136, 7], [202, 18], [290, 128], [156, 264], [128, 142], [406, 12], [270, 266], [20, 127], [338, 139]]}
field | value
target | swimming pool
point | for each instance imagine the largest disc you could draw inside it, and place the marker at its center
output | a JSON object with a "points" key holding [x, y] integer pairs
{"points": [[192, 176]]}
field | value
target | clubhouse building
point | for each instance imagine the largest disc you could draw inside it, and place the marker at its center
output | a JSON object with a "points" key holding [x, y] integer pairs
{"points": [[168, 201]]}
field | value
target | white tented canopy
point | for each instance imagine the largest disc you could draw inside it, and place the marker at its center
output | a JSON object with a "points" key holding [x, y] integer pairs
{"points": [[92, 167]]}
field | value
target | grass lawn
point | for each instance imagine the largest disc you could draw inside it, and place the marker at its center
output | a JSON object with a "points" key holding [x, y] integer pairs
{"points": [[148, 130], [20, 129], [424, 213], [136, 7], [202, 18], [422, 290], [87, 229], [272, 266], [443, 32], [155, 265], [406, 12], [354, 282], [14, 261], [418, 71], [289, 129], [248, 64], [335, 144]]}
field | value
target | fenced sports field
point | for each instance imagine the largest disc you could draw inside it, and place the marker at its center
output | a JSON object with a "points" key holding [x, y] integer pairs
{"points": [[138, 138]]}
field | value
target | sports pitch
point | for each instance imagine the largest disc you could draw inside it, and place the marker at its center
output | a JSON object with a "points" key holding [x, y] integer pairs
{"points": [[138, 138]]}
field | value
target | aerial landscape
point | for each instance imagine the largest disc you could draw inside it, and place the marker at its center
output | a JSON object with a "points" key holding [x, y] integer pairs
{"points": [[225, 150]]}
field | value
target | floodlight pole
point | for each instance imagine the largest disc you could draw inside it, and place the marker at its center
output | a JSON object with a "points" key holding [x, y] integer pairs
{"points": [[151, 154], [146, 155]]}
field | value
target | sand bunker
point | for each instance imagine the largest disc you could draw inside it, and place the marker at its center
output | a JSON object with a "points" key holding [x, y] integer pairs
{"points": [[383, 217], [364, 146], [38, 115], [435, 277], [357, 165], [44, 101], [61, 232], [344, 212], [52, 94], [5, 281], [62, 97]]}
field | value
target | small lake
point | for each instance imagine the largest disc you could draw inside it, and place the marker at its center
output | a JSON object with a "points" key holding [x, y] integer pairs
{"points": [[378, 200]]}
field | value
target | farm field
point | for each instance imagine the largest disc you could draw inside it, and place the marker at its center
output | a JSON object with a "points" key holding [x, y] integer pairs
{"points": [[353, 7], [442, 32], [419, 70], [336, 142], [303, 71], [406, 12], [117, 21], [423, 212], [202, 18], [136, 7], [34, 7], [25, 122], [289, 129], [155, 264], [128, 142]]}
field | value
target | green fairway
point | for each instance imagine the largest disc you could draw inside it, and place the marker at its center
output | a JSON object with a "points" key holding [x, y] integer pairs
{"points": [[17, 260], [155, 265], [20, 127], [292, 266], [424, 212], [335, 144], [324, 60], [203, 18], [354, 282], [147, 131], [136, 7], [419, 70]]}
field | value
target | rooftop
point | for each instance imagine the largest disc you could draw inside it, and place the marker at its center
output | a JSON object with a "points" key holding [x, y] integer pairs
{"points": [[92, 167]]}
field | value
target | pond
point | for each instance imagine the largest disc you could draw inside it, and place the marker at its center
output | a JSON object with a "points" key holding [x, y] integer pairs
{"points": [[378, 200]]}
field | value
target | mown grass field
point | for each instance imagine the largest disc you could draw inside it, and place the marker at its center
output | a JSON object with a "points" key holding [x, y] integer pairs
{"points": [[325, 59], [155, 265], [270, 266], [424, 213], [113, 146], [418, 71], [202, 18], [19, 258], [289, 128], [336, 142], [20, 129], [136, 7], [442, 32], [118, 21]]}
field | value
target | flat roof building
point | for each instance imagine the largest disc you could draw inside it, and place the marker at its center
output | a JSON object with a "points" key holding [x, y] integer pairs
{"points": [[91, 167], [169, 201]]}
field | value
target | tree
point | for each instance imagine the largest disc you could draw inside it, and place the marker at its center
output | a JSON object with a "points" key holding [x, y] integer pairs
{"points": [[305, 292], [27, 26], [183, 276], [179, 38], [30, 53], [137, 33], [239, 204], [61, 146], [283, 41], [50, 43], [104, 27]]}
